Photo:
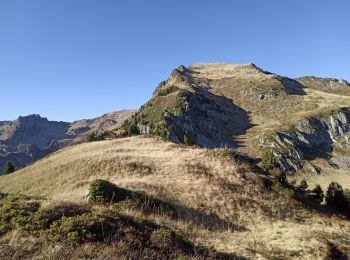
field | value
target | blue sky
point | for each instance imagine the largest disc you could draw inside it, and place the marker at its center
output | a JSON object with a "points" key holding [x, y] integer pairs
{"points": [[73, 59]]}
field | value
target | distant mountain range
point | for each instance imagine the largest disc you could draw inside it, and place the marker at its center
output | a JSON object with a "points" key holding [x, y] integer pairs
{"points": [[29, 138]]}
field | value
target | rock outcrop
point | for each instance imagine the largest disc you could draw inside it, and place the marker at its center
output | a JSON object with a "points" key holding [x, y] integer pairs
{"points": [[311, 138]]}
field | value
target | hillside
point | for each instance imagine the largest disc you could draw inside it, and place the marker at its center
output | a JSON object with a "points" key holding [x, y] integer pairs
{"points": [[304, 122], [220, 200], [210, 167], [29, 138]]}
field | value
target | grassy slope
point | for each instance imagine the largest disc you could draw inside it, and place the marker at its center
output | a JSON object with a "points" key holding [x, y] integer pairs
{"points": [[220, 202]]}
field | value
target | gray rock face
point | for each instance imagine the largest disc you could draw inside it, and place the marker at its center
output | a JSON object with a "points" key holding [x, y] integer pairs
{"points": [[207, 120], [29, 138], [33, 130], [313, 137]]}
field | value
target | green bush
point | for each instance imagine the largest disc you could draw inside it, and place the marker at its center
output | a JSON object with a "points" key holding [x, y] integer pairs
{"points": [[167, 91], [162, 237], [2, 195], [161, 130], [338, 199], [282, 188], [76, 228], [303, 186], [9, 168], [15, 210], [132, 129], [268, 160], [92, 137], [80, 228], [282, 178], [186, 140], [105, 191], [44, 218], [318, 194]]}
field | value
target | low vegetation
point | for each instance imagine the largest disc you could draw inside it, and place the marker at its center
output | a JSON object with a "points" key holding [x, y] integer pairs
{"points": [[268, 160], [338, 199], [94, 136], [166, 91], [317, 194], [104, 191], [9, 168], [76, 227]]}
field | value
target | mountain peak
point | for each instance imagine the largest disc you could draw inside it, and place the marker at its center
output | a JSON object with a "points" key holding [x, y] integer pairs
{"points": [[32, 117], [222, 70]]}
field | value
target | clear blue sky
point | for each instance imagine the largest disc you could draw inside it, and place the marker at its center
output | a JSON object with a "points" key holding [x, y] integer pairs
{"points": [[73, 59]]}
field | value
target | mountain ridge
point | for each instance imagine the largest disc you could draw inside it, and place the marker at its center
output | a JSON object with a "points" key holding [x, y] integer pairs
{"points": [[31, 137]]}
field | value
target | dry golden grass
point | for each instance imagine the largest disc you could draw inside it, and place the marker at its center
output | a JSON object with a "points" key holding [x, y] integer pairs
{"points": [[221, 202]]}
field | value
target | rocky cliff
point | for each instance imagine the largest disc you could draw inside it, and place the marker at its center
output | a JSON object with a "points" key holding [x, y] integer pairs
{"points": [[311, 138]]}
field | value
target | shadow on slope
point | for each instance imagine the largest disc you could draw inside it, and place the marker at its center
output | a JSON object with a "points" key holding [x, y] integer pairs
{"points": [[292, 87], [150, 205]]}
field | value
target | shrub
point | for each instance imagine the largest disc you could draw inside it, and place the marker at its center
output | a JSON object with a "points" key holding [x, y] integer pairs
{"points": [[334, 195], [282, 178], [161, 130], [92, 137], [162, 237], [43, 218], [105, 191], [167, 91], [318, 194], [138, 217], [9, 168], [268, 160], [282, 188], [338, 199], [132, 129], [15, 210], [2, 195], [303, 185], [77, 229], [187, 141]]}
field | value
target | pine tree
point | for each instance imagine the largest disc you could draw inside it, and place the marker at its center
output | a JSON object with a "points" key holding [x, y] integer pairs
{"points": [[303, 185], [9, 168], [334, 196], [318, 193]]}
